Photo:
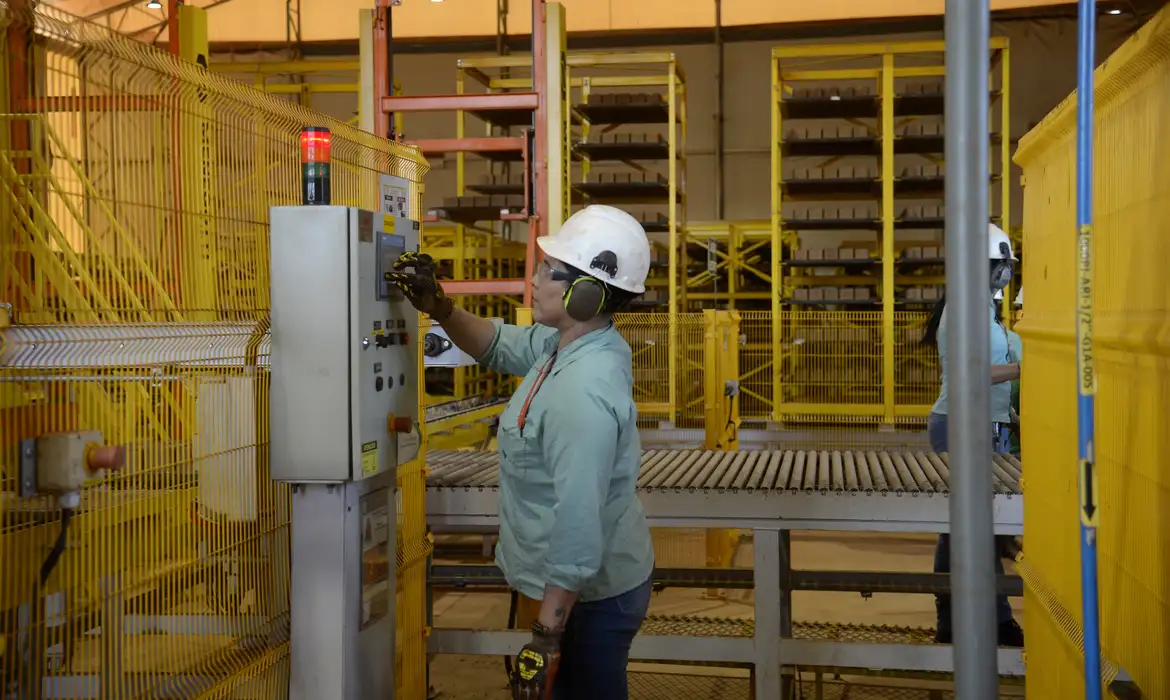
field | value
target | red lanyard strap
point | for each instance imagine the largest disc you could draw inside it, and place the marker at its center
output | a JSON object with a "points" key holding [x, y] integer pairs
{"points": [[536, 384]]}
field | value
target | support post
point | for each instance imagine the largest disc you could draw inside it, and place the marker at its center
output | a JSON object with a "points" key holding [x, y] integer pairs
{"points": [[719, 147], [1005, 160], [888, 252], [968, 27], [18, 72], [777, 247], [538, 219], [174, 42], [369, 106], [674, 259], [195, 170], [556, 114], [382, 87], [721, 362], [766, 640], [113, 612]]}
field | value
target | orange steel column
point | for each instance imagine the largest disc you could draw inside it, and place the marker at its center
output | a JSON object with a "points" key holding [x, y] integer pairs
{"points": [[382, 89], [536, 222], [173, 27], [19, 94]]}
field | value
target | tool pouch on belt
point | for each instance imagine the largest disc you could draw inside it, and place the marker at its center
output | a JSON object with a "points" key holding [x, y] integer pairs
{"points": [[536, 665]]}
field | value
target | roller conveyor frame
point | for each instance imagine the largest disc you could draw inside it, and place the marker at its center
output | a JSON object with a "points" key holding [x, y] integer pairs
{"points": [[770, 493], [872, 491]]}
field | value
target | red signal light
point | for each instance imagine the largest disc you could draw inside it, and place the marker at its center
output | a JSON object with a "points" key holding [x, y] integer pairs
{"points": [[316, 151]]}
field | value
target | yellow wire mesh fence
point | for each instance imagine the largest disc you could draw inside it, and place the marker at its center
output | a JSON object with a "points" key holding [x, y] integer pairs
{"points": [[133, 272], [829, 367], [1131, 347]]}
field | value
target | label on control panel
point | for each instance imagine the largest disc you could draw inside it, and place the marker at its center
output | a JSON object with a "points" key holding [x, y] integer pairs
{"points": [[395, 198], [369, 458]]}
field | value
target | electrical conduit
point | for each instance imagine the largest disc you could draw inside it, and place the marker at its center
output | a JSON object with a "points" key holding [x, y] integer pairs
{"points": [[1086, 374]]}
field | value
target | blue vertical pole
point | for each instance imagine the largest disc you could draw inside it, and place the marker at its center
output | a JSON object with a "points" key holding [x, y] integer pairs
{"points": [[1086, 374]]}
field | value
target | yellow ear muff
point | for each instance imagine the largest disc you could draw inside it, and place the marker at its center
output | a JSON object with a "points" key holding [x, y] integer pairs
{"points": [[584, 299]]}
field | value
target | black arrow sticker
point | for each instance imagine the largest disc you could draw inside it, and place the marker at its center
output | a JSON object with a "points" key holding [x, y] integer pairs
{"points": [[1090, 504]]}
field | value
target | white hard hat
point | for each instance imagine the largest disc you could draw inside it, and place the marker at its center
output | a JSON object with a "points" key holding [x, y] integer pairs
{"points": [[1020, 297], [998, 296], [996, 239], [585, 238]]}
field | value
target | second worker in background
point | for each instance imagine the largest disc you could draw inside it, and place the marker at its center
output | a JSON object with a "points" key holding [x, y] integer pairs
{"points": [[572, 531]]}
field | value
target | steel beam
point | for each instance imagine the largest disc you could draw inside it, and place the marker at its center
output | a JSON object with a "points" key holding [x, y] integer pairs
{"points": [[928, 658], [463, 576], [645, 647], [486, 144], [448, 103], [786, 510], [473, 287], [739, 650], [92, 103]]}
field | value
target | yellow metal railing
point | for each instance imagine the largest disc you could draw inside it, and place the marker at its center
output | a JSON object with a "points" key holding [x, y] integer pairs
{"points": [[134, 196], [829, 368]]}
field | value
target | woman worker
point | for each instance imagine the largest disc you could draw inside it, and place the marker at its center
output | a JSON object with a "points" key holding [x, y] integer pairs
{"points": [[1005, 368], [572, 532]]}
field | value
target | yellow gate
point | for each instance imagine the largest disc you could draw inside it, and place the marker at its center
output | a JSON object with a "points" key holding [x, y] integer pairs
{"points": [[134, 243]]}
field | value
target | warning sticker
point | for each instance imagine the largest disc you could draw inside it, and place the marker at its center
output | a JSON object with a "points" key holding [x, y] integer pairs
{"points": [[395, 196], [369, 458]]}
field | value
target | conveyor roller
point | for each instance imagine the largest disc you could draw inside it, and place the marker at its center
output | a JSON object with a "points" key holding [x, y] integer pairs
{"points": [[838, 472]]}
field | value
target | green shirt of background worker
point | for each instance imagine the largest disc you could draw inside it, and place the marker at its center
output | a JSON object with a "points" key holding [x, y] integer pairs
{"points": [[1005, 368], [573, 534]]}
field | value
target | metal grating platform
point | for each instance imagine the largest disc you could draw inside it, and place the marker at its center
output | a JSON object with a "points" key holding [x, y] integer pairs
{"points": [[671, 686], [854, 472], [694, 626]]}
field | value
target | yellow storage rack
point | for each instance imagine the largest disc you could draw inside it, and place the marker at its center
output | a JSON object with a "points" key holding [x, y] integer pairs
{"points": [[857, 186], [626, 115], [1127, 322]]}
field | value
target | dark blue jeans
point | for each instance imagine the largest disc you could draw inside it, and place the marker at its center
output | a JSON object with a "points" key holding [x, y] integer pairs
{"points": [[595, 649], [936, 432]]}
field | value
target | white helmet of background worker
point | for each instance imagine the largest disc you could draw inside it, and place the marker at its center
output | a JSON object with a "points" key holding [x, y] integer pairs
{"points": [[996, 240], [1020, 297], [1000, 252], [597, 229]]}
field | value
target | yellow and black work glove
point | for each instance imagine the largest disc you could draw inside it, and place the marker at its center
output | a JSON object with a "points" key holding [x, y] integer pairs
{"points": [[420, 286], [537, 663]]}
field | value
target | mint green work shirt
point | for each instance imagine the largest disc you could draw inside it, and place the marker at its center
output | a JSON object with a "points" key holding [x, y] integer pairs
{"points": [[569, 516], [1002, 353]]}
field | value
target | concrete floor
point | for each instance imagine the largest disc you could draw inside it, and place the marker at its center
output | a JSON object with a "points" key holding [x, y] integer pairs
{"points": [[481, 678]]}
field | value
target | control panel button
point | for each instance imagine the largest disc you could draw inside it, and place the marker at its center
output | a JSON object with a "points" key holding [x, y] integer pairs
{"points": [[399, 424], [377, 383]]}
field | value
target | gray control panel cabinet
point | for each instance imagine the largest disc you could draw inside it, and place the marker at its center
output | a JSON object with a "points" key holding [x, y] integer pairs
{"points": [[344, 346]]}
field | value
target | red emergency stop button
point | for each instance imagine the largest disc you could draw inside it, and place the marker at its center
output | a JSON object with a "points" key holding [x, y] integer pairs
{"points": [[108, 457], [399, 424]]}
